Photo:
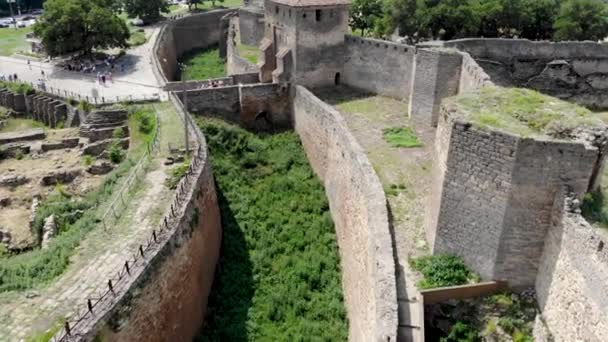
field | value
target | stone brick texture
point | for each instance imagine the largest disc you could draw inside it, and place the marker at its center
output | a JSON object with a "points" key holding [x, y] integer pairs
{"points": [[572, 280], [358, 207], [378, 66], [183, 35], [493, 195], [575, 71], [251, 23]]}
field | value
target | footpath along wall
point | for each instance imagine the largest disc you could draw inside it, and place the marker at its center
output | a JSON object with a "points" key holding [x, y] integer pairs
{"points": [[358, 207], [160, 294]]}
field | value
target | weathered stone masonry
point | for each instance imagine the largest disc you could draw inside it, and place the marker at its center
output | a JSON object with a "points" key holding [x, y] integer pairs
{"points": [[493, 196], [358, 207]]}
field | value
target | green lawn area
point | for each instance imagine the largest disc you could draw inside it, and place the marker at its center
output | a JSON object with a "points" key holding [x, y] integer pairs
{"points": [[250, 53], [137, 38], [13, 125], [13, 40], [401, 137], [279, 274], [203, 64]]}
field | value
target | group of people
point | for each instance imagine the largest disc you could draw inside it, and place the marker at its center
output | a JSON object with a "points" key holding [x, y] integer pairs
{"points": [[90, 66], [11, 77], [102, 77], [213, 84]]}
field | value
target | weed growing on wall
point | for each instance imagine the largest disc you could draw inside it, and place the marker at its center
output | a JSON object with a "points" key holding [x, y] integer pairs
{"points": [[279, 274], [401, 137], [442, 270], [203, 64]]}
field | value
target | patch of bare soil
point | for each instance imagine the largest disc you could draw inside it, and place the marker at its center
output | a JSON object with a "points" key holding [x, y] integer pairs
{"points": [[35, 165]]}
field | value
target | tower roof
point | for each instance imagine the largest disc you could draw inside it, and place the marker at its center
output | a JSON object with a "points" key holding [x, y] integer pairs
{"points": [[312, 3]]}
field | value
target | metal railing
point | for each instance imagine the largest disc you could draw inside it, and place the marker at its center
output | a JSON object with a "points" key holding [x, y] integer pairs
{"points": [[95, 100], [108, 295]]}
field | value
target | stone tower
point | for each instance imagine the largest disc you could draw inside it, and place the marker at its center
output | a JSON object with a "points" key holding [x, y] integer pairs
{"points": [[304, 41]]}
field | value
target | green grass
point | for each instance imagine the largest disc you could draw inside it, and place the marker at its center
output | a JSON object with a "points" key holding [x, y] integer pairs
{"points": [[137, 38], [203, 64], [47, 335], [523, 112], [13, 40], [248, 52], [279, 274], [15, 125], [442, 270], [401, 137]]}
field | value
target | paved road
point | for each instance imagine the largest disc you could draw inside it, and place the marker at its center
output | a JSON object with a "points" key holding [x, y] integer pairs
{"points": [[137, 80]]}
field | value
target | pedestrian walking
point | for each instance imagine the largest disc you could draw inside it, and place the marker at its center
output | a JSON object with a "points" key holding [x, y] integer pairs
{"points": [[103, 79], [42, 73], [98, 77], [110, 77], [10, 77], [15, 77], [29, 65]]}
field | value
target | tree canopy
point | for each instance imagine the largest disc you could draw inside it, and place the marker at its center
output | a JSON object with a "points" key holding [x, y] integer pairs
{"points": [[449, 19], [79, 26], [146, 10], [364, 14]]}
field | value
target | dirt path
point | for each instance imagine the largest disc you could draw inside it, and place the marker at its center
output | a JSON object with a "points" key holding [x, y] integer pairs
{"points": [[405, 175]]}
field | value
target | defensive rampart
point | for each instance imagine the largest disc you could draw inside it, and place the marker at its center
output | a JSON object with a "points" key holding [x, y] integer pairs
{"points": [[378, 66], [160, 294], [493, 194], [572, 280], [358, 207], [197, 31], [575, 71]]}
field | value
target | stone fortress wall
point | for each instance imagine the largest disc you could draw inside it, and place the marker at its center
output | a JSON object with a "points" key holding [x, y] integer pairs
{"points": [[378, 66], [494, 190], [197, 31], [358, 207], [574, 71], [572, 281]]}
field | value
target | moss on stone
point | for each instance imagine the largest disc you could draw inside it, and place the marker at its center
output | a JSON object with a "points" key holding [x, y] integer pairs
{"points": [[523, 112]]}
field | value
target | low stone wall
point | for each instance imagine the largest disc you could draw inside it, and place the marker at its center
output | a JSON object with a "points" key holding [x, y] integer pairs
{"points": [[572, 281], [221, 101], [472, 75], [378, 66], [492, 195], [12, 100], [197, 31], [358, 207], [251, 22], [575, 71]]}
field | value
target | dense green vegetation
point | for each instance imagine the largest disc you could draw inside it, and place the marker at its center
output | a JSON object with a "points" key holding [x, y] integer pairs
{"points": [[203, 64], [401, 137], [449, 19], [279, 275], [18, 87], [75, 216], [442, 270]]}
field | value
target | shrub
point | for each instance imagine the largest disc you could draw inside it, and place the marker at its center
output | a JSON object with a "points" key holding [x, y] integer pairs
{"points": [[401, 137], [115, 153], [176, 174], [19, 154], [462, 332], [88, 160], [146, 124], [118, 133], [442, 270], [72, 101], [85, 106]]}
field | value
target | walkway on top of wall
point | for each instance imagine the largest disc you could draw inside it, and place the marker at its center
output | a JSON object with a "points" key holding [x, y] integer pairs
{"points": [[101, 254], [405, 175]]}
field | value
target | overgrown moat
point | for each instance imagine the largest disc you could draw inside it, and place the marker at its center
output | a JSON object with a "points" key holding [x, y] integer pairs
{"points": [[279, 274]]}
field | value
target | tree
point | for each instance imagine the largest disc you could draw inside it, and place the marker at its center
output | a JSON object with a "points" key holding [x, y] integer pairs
{"points": [[146, 10], [364, 13], [581, 20], [193, 2], [79, 25]]}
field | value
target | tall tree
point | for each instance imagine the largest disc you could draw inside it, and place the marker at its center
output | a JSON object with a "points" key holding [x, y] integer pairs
{"points": [[582, 20], [79, 26], [146, 10], [364, 13], [193, 2]]}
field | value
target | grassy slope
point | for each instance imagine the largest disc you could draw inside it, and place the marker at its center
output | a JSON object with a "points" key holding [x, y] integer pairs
{"points": [[203, 64], [14, 124], [13, 40], [248, 52], [279, 277]]}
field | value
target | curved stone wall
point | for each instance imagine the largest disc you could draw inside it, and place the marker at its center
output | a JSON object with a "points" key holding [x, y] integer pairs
{"points": [[359, 210], [197, 31]]}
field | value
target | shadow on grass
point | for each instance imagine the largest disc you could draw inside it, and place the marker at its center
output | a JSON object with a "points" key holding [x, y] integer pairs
{"points": [[232, 289]]}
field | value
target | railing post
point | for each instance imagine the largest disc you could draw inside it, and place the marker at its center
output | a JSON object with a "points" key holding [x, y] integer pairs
{"points": [[154, 235], [141, 251], [67, 328], [90, 305], [127, 267], [110, 285]]}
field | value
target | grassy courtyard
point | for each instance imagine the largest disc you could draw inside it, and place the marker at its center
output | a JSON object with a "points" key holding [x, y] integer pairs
{"points": [[203, 64], [279, 274], [13, 40]]}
